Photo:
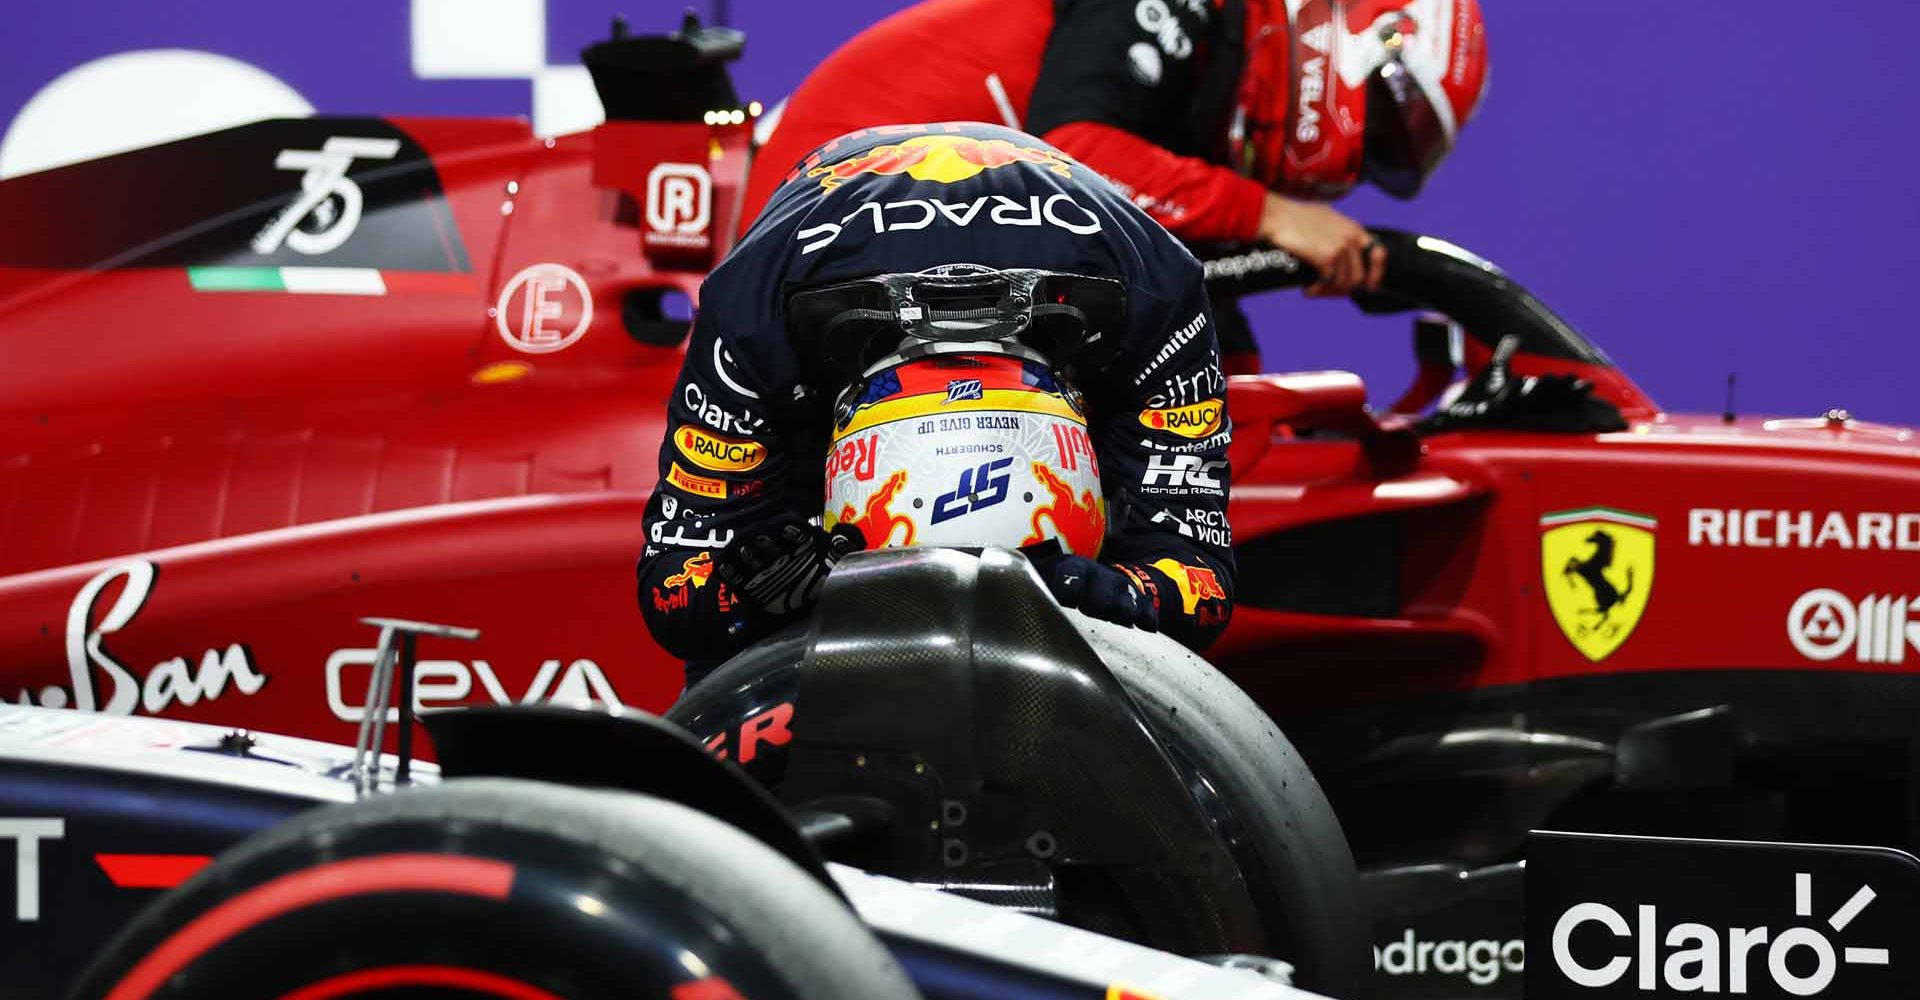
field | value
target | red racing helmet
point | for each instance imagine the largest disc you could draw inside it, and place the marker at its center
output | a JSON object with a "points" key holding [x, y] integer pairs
{"points": [[1337, 91]]}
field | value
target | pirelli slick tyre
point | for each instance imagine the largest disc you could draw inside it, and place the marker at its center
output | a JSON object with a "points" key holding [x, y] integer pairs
{"points": [[500, 889], [1174, 811], [1272, 812]]}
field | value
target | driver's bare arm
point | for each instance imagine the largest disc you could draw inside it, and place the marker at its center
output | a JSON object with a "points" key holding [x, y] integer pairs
{"points": [[1161, 431], [725, 472], [1346, 255]]}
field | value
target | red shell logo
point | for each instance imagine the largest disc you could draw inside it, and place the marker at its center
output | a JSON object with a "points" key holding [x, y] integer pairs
{"points": [[877, 523], [1081, 524]]}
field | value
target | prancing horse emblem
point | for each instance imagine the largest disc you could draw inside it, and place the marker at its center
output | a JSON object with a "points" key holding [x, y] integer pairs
{"points": [[1593, 569], [1597, 572]]}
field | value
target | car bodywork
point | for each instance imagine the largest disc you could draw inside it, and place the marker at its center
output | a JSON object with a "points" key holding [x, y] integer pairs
{"points": [[218, 450], [106, 813]]}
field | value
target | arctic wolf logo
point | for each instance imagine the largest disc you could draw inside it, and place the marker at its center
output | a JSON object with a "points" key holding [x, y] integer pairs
{"points": [[1596, 565]]}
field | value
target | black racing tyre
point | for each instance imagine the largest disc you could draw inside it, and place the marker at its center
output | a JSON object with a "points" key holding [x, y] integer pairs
{"points": [[511, 890], [1282, 830]]}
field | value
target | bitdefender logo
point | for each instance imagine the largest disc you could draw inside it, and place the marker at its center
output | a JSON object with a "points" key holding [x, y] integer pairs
{"points": [[1595, 946]]}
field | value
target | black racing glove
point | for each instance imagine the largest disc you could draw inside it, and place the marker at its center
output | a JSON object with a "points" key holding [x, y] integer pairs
{"points": [[780, 567], [1496, 398], [1098, 590]]}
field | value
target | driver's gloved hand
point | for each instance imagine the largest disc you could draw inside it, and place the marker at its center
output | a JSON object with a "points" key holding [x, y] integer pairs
{"points": [[1098, 590], [1552, 403], [780, 567]]}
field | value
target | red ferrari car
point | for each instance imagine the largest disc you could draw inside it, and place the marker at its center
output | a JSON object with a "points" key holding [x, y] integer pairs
{"points": [[268, 381]]}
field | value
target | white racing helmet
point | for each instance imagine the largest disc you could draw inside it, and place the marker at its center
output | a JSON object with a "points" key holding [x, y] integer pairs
{"points": [[957, 425], [965, 445]]}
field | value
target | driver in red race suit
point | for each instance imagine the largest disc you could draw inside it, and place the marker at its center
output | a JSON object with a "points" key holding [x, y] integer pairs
{"points": [[734, 545], [1215, 116]]}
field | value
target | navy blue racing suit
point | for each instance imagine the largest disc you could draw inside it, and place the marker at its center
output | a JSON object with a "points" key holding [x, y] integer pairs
{"points": [[747, 437]]}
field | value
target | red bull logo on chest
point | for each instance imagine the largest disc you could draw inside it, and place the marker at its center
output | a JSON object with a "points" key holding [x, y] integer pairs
{"points": [[946, 159]]}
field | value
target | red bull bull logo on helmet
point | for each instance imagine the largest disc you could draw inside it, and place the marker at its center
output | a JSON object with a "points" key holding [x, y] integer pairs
{"points": [[1079, 522], [878, 522], [945, 159]]}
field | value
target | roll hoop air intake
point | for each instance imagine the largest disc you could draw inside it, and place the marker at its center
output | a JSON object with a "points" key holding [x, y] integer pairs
{"points": [[842, 329]]}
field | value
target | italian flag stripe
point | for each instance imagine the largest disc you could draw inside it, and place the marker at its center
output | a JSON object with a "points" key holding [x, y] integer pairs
{"points": [[235, 279], [294, 280], [455, 283], [1612, 514], [333, 280]]}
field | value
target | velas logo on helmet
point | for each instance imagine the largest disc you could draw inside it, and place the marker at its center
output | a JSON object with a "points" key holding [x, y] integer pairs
{"points": [[718, 453], [946, 159], [1195, 420]]}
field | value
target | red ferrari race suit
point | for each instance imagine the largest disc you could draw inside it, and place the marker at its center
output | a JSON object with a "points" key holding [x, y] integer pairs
{"points": [[747, 436]]}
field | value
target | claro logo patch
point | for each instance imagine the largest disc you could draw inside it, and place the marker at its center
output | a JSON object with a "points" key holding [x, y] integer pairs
{"points": [[1193, 421], [1612, 917], [1799, 959], [717, 453]]}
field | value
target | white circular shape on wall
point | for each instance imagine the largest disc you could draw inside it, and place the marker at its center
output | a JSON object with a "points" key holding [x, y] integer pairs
{"points": [[132, 99]]}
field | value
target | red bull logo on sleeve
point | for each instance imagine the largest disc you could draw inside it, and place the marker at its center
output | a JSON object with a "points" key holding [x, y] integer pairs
{"points": [[1195, 583], [695, 571], [945, 159]]}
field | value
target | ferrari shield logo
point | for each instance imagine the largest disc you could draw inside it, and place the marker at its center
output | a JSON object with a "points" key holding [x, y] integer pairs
{"points": [[1596, 567]]}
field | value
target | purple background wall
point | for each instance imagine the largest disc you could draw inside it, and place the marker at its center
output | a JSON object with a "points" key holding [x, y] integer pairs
{"points": [[1702, 188]]}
